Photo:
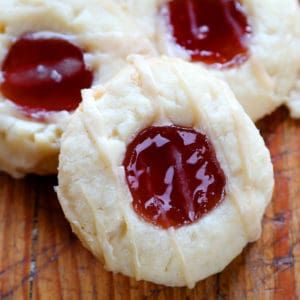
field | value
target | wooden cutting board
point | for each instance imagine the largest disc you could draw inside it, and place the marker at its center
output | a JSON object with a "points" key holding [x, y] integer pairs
{"points": [[41, 259]]}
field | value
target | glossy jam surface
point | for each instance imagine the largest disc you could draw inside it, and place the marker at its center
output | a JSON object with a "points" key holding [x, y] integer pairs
{"points": [[213, 31], [173, 175], [44, 72]]}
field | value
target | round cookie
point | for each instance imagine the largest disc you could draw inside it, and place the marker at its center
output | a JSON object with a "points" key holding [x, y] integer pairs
{"points": [[101, 29], [263, 80], [96, 197]]}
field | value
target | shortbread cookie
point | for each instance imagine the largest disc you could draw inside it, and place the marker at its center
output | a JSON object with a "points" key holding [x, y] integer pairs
{"points": [[162, 175], [49, 51], [252, 44]]}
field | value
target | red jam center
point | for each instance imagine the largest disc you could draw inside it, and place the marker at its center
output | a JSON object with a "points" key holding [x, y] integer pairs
{"points": [[173, 175], [213, 31], [44, 72]]}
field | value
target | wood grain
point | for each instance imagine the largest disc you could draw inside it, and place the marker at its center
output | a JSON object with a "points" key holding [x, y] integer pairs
{"points": [[41, 259]]}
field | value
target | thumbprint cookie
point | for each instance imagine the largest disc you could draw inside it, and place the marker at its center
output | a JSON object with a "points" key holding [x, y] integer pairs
{"points": [[49, 52], [162, 175]]}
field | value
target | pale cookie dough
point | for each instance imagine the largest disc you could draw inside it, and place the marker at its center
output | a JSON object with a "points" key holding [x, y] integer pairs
{"points": [[263, 82], [95, 196], [101, 28]]}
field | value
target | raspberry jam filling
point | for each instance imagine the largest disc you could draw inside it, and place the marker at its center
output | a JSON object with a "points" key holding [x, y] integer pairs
{"points": [[173, 175], [44, 72], [212, 31]]}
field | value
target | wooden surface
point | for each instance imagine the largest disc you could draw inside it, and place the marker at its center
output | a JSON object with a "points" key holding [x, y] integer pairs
{"points": [[41, 259]]}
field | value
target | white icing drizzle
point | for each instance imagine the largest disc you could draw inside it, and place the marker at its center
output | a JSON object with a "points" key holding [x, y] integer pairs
{"points": [[261, 73], [121, 186], [115, 10], [91, 115], [253, 218], [101, 236], [148, 85], [187, 278], [231, 196]]}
